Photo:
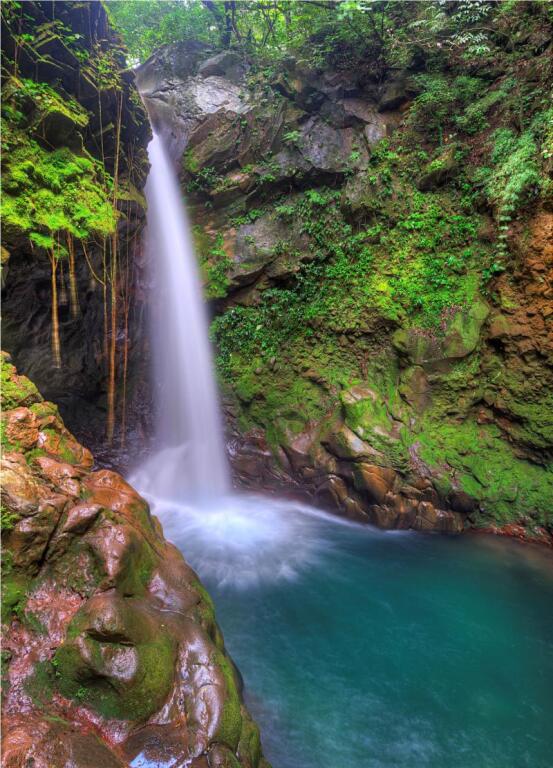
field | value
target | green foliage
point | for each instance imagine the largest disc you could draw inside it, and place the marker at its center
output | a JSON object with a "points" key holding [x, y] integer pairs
{"points": [[15, 390], [246, 218], [14, 590], [38, 40], [515, 175], [49, 192], [215, 268], [346, 33], [202, 180], [440, 99], [147, 26], [432, 267], [46, 100], [474, 117], [8, 519], [291, 137], [514, 178]]}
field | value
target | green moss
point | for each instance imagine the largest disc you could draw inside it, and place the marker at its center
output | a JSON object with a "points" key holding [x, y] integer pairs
{"points": [[141, 564], [32, 621], [249, 746], [47, 101], [283, 402], [16, 390], [230, 726], [205, 597], [5, 658], [190, 162], [214, 263], [7, 445], [8, 519], [144, 696], [58, 192], [33, 454], [66, 449], [14, 591], [44, 409], [46, 192], [15, 587], [40, 685], [484, 465], [372, 420], [81, 572]]}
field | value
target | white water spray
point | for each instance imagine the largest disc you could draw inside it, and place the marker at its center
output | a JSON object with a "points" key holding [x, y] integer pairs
{"points": [[190, 461], [237, 539]]}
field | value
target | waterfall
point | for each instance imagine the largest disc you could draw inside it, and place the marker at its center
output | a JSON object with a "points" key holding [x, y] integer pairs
{"points": [[190, 460]]}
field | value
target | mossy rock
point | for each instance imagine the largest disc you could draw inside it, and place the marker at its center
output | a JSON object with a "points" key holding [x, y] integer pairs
{"points": [[368, 415], [116, 660], [440, 170], [230, 726], [16, 390], [484, 466], [459, 338]]}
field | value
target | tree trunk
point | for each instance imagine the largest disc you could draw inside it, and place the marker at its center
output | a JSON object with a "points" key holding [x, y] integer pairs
{"points": [[73, 292], [56, 346], [112, 349]]}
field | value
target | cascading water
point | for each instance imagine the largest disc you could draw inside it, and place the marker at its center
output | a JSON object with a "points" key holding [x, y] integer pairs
{"points": [[187, 479], [190, 461]]}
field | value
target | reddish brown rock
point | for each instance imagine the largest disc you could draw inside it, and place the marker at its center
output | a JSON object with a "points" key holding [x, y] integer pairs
{"points": [[21, 427], [375, 481], [62, 476], [111, 645]]}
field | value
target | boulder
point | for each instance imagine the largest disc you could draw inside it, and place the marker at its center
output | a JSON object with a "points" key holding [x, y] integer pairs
{"points": [[393, 95], [463, 331], [429, 518], [228, 64], [30, 740], [345, 444], [334, 150], [121, 655], [415, 388], [103, 621], [21, 427], [374, 481], [268, 245]]}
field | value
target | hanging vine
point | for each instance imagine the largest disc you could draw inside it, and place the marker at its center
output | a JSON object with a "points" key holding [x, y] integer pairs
{"points": [[67, 202]]}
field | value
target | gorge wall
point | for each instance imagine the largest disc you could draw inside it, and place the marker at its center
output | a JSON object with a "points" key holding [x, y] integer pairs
{"points": [[376, 247], [378, 253], [74, 164]]}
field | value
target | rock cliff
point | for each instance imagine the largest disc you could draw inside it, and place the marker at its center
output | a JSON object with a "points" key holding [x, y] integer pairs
{"points": [[74, 134], [111, 653], [382, 311]]}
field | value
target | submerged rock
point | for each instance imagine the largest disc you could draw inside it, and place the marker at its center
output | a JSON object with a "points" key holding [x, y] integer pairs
{"points": [[111, 648]]}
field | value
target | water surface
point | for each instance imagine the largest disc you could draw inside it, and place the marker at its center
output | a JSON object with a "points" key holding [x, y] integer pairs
{"points": [[367, 649]]}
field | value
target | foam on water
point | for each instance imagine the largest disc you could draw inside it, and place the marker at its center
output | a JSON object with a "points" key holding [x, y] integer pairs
{"points": [[243, 540]]}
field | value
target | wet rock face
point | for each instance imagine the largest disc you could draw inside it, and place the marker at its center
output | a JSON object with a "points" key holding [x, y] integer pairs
{"points": [[111, 650]]}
